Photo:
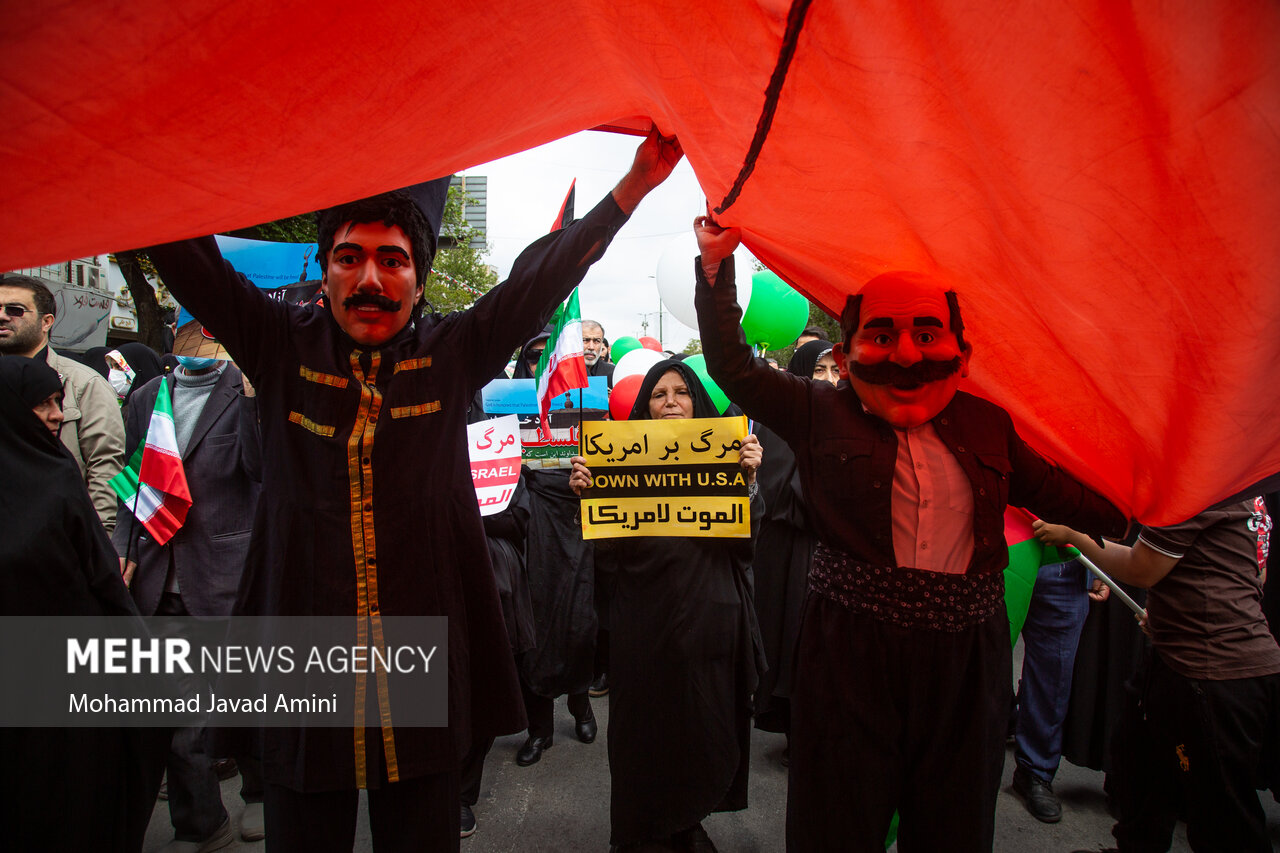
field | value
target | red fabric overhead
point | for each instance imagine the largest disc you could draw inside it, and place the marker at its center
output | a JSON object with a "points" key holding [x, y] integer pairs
{"points": [[1097, 179]]}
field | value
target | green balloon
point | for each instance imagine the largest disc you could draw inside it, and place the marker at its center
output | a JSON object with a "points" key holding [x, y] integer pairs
{"points": [[777, 313], [622, 346], [699, 365]]}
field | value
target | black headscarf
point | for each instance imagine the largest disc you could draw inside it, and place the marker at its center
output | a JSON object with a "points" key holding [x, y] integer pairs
{"points": [[57, 560], [56, 556], [522, 369], [143, 360], [33, 381], [805, 359], [702, 405], [96, 357]]}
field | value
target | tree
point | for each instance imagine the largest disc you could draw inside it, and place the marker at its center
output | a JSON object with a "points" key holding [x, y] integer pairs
{"points": [[459, 275], [135, 268], [817, 317], [693, 347], [294, 229]]}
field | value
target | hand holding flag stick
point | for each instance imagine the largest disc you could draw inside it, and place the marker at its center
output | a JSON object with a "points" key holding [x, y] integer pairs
{"points": [[1063, 536], [1115, 587]]}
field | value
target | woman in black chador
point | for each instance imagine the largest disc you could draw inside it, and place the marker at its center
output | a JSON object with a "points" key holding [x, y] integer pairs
{"points": [[685, 658], [70, 788]]}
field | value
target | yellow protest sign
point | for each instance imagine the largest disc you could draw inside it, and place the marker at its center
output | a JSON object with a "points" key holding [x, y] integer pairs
{"points": [[665, 478]]}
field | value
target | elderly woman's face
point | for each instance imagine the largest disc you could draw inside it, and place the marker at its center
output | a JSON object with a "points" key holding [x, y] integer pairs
{"points": [[671, 398], [49, 411]]}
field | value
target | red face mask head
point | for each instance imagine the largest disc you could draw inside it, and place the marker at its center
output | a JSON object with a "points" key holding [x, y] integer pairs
{"points": [[370, 281], [903, 358]]}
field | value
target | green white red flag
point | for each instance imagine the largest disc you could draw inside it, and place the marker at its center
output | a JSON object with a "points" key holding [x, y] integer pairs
{"points": [[154, 485], [563, 366], [1026, 555]]}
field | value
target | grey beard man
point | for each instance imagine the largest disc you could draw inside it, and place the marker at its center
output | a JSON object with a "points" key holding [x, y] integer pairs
{"points": [[593, 347]]}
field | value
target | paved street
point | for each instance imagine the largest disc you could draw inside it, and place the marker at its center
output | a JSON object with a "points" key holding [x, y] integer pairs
{"points": [[562, 804]]}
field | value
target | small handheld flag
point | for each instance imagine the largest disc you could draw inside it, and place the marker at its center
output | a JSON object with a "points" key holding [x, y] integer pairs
{"points": [[563, 365], [154, 484]]}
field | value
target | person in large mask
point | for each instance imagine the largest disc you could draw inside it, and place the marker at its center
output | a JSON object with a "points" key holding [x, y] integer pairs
{"points": [[363, 406], [901, 690]]}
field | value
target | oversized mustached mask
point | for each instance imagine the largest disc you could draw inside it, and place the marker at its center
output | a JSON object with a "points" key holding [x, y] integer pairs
{"points": [[904, 348]]}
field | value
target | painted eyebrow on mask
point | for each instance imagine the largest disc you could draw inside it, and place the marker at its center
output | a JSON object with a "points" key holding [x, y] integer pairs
{"points": [[356, 247]]}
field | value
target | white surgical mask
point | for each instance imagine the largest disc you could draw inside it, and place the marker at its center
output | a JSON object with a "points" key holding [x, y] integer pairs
{"points": [[120, 381], [120, 374]]}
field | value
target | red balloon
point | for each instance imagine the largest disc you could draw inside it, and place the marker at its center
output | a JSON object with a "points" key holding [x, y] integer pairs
{"points": [[623, 396], [651, 343]]}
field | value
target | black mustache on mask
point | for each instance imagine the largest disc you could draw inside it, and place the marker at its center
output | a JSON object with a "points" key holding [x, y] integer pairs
{"points": [[377, 300], [906, 378]]}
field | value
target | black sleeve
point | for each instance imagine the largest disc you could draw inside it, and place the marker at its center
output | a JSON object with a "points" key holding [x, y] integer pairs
{"points": [[512, 524], [542, 277], [249, 436], [774, 397], [1054, 495], [253, 327]]}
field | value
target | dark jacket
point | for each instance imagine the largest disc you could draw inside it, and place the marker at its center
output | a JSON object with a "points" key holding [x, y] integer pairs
{"points": [[602, 368], [223, 465], [368, 505], [846, 456]]}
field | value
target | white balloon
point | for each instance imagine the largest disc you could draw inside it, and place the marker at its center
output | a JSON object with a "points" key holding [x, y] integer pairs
{"points": [[638, 361], [676, 278]]}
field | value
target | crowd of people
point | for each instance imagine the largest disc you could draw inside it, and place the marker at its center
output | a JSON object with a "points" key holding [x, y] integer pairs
{"points": [[864, 617]]}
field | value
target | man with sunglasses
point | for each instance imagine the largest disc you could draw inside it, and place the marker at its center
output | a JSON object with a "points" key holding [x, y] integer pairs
{"points": [[92, 429]]}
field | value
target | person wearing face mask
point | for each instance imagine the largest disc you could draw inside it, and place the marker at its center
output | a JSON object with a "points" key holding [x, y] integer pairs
{"points": [[685, 656], [902, 689], [130, 367], [196, 574], [91, 430], [784, 552]]}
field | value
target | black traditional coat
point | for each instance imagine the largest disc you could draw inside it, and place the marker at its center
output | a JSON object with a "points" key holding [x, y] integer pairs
{"points": [[368, 506]]}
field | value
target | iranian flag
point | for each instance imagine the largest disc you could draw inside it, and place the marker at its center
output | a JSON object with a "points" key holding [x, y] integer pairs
{"points": [[1026, 555], [562, 366], [153, 485]]}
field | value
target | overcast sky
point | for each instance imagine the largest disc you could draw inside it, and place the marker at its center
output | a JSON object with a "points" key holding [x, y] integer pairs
{"points": [[525, 193]]}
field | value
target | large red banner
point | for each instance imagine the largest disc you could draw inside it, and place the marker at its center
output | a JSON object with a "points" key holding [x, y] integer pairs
{"points": [[1097, 179]]}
